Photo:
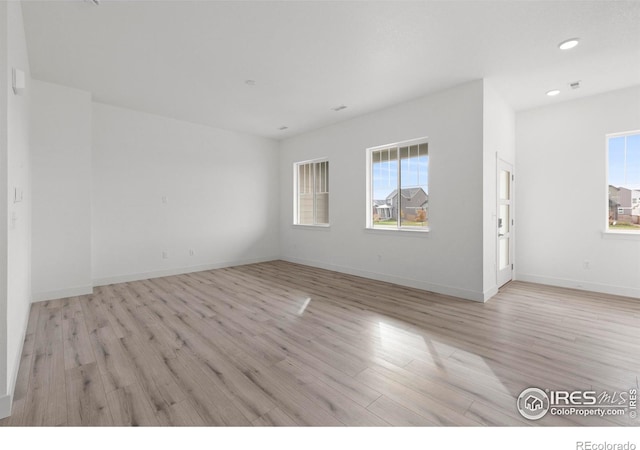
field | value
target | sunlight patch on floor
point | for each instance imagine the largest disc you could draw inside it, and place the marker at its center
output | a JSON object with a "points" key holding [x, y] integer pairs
{"points": [[304, 306]]}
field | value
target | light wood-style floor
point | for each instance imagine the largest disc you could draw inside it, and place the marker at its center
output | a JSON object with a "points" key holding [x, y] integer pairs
{"points": [[283, 344]]}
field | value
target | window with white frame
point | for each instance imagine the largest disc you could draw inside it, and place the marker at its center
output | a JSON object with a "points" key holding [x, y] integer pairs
{"points": [[398, 186], [623, 181], [311, 189]]}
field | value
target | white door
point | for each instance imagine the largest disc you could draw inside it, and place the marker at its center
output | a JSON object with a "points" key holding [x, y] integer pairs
{"points": [[505, 223]]}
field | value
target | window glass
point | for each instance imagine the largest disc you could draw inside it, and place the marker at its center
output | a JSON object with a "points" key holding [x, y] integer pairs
{"points": [[399, 189], [623, 180]]}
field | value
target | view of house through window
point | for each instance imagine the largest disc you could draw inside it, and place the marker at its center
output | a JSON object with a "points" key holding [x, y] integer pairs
{"points": [[312, 193], [399, 192], [624, 181]]}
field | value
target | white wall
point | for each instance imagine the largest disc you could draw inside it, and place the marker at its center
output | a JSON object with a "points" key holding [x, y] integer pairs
{"points": [[561, 184], [61, 170], [221, 189], [5, 398], [449, 258], [16, 229], [498, 143]]}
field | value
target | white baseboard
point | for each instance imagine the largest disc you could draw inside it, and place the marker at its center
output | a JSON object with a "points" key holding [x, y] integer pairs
{"points": [[417, 284], [14, 376], [490, 293], [177, 271], [5, 401], [5, 406], [62, 293], [624, 291]]}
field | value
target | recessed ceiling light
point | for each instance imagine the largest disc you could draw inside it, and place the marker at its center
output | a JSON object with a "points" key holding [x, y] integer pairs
{"points": [[568, 44], [283, 127], [553, 92], [250, 82], [339, 108]]}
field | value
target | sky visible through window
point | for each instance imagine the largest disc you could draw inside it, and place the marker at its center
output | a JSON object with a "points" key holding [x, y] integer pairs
{"points": [[624, 161], [385, 175]]}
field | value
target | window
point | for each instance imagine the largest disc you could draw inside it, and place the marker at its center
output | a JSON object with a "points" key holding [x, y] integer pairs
{"points": [[398, 186], [311, 186], [623, 182]]}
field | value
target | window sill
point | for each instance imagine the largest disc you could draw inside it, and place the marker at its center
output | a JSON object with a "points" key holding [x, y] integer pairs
{"points": [[312, 227], [623, 235], [399, 231]]}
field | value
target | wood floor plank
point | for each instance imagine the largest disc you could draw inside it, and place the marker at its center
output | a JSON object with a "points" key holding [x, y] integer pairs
{"points": [[153, 375], [46, 402], [109, 301], [331, 357], [397, 415], [130, 406], [189, 328], [490, 416], [480, 385], [230, 380], [433, 410], [86, 399], [206, 351], [116, 368], [274, 418], [184, 414], [94, 314], [343, 408], [77, 345], [134, 319], [289, 398], [208, 400], [360, 393], [281, 344], [433, 388]]}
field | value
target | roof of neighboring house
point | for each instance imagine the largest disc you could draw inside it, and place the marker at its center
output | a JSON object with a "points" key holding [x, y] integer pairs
{"points": [[407, 193], [621, 188], [380, 204]]}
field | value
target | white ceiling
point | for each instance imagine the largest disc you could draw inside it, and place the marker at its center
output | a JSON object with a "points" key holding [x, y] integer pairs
{"points": [[189, 59]]}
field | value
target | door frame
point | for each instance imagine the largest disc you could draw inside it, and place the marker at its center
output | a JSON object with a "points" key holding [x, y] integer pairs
{"points": [[505, 275]]}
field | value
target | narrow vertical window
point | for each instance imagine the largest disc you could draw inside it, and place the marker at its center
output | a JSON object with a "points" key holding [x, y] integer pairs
{"points": [[398, 192], [623, 182], [311, 205]]}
